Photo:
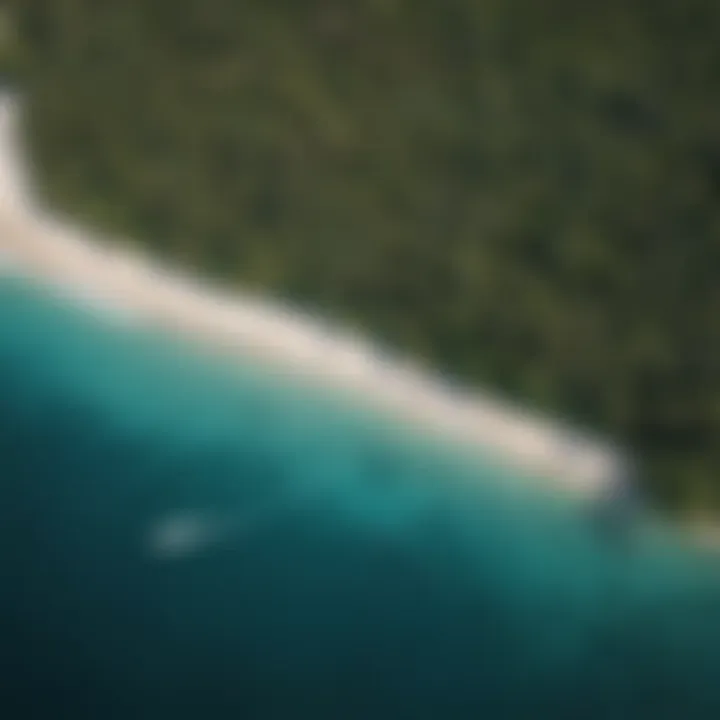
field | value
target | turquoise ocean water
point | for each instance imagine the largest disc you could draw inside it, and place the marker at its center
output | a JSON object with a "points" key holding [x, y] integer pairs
{"points": [[182, 539]]}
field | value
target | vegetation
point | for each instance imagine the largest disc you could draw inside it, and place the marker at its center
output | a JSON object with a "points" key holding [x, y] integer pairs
{"points": [[525, 194]]}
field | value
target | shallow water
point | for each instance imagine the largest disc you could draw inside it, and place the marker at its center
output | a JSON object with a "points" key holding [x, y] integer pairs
{"points": [[322, 563]]}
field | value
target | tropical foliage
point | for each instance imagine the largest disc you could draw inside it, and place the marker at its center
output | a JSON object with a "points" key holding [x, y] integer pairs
{"points": [[525, 194]]}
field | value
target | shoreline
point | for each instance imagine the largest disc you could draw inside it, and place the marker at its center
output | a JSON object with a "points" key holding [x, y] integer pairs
{"points": [[84, 266]]}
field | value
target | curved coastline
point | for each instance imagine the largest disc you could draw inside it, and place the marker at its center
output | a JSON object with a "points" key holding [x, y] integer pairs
{"points": [[109, 275]]}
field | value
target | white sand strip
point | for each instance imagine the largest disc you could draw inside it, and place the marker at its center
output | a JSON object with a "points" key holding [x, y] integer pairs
{"points": [[110, 276]]}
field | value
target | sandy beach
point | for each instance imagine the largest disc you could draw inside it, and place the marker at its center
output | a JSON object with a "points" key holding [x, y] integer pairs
{"points": [[108, 275]]}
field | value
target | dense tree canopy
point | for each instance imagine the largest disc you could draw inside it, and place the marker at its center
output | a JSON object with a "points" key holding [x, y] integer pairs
{"points": [[524, 194]]}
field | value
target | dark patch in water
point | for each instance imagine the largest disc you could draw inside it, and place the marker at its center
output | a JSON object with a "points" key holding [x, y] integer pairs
{"points": [[384, 587]]}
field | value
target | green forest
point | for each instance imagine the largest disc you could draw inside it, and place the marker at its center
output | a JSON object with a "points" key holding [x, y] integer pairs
{"points": [[525, 195]]}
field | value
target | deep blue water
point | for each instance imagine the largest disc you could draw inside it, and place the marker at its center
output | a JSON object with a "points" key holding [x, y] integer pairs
{"points": [[366, 574]]}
